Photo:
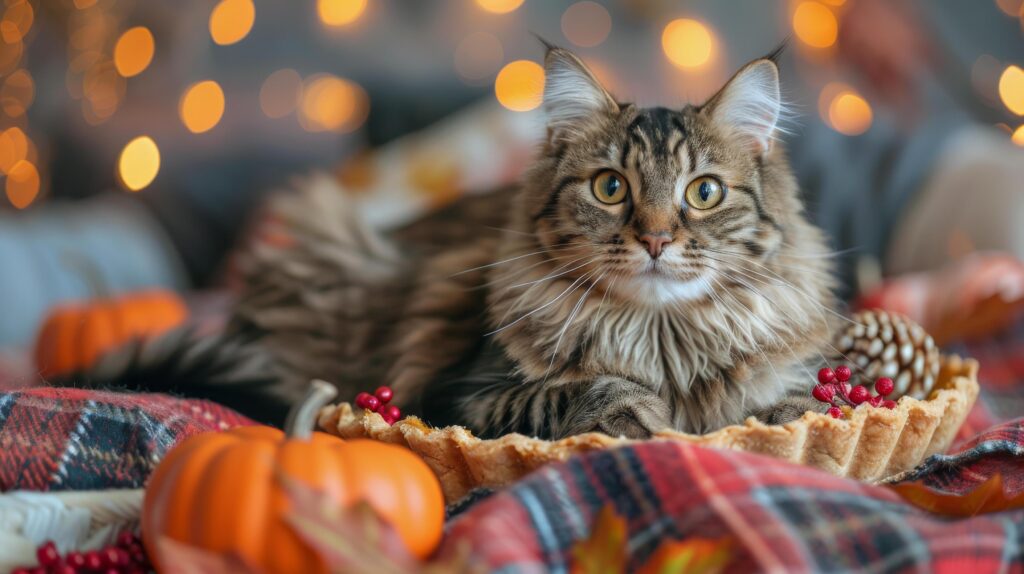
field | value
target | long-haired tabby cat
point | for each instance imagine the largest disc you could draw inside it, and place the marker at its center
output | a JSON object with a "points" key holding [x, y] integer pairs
{"points": [[654, 270]]}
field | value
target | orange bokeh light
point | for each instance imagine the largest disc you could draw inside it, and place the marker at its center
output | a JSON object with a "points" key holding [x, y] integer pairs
{"points": [[340, 12], [1011, 89], [586, 23], [17, 93], [330, 103], [845, 110], [139, 163], [22, 184], [17, 21], [687, 43], [231, 21], [1018, 136], [280, 93], [14, 146], [499, 6], [202, 106], [520, 85], [133, 51], [815, 25]]}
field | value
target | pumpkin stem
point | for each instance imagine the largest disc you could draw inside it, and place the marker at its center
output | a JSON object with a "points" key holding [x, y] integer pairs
{"points": [[302, 417]]}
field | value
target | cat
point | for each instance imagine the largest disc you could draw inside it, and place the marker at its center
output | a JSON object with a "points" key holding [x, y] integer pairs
{"points": [[654, 270]]}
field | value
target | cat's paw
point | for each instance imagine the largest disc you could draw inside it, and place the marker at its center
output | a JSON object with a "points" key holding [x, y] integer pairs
{"points": [[787, 410], [636, 419]]}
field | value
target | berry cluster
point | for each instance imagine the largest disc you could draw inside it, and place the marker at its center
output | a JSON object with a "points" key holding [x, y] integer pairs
{"points": [[125, 556], [378, 403], [833, 386]]}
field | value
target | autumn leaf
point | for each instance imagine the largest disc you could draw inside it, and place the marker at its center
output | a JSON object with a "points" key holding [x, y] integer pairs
{"points": [[356, 540], [989, 496], [180, 558], [692, 556], [604, 551]]}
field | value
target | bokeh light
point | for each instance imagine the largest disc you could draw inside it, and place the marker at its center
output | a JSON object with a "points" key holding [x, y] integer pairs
{"points": [[202, 106], [13, 148], [231, 21], [1011, 89], [10, 56], [499, 6], [17, 93], [133, 51], [83, 4], [520, 85], [280, 93], [845, 110], [17, 21], [815, 25], [478, 56], [139, 163], [22, 184], [586, 24], [330, 103], [103, 89], [1010, 7], [340, 12], [1018, 136], [687, 43]]}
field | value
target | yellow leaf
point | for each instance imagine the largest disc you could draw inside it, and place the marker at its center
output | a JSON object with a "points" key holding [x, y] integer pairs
{"points": [[693, 556], [988, 496], [604, 552]]}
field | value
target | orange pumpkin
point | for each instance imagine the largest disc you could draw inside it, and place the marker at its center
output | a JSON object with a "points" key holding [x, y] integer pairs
{"points": [[221, 492], [74, 336]]}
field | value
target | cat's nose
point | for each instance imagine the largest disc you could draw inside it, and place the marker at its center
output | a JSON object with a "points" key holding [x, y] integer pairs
{"points": [[655, 242]]}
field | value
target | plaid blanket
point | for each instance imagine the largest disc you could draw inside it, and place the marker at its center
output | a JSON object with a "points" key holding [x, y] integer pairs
{"points": [[73, 439]]}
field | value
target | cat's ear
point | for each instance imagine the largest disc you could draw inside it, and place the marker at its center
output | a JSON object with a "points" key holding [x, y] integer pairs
{"points": [[750, 104], [572, 94]]}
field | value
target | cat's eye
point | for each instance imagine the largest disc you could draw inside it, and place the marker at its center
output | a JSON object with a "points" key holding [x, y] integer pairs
{"points": [[705, 193], [610, 187]]}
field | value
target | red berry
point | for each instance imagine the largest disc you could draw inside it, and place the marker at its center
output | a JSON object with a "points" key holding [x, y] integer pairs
{"points": [[47, 554], [373, 403], [823, 393], [361, 400], [21, 571], [859, 394], [826, 376], [384, 394], [889, 404], [835, 412], [93, 560], [390, 412], [843, 373], [127, 539], [390, 421], [75, 559], [876, 400], [884, 386], [64, 569]]}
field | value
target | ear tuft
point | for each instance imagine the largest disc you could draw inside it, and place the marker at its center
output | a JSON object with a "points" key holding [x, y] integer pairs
{"points": [[572, 94], [751, 104]]}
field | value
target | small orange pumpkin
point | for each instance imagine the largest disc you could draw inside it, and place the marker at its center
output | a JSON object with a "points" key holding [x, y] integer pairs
{"points": [[221, 492], [74, 336]]}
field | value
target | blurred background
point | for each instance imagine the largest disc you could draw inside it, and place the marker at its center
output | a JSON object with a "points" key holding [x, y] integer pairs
{"points": [[139, 136]]}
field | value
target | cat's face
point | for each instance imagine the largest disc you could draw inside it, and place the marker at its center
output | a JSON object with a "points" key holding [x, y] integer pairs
{"points": [[661, 205]]}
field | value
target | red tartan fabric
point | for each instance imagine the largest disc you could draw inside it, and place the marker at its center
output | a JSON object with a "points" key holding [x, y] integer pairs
{"points": [[73, 439]]}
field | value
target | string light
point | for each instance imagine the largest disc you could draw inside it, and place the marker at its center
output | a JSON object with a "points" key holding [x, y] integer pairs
{"points": [[231, 21], [520, 85], [1011, 89], [1018, 136], [586, 24], [845, 110], [17, 93], [330, 103], [815, 25], [22, 184], [499, 6], [478, 56], [13, 148], [202, 106], [340, 12], [280, 93], [17, 21], [10, 56], [133, 51], [103, 89], [687, 43], [139, 163]]}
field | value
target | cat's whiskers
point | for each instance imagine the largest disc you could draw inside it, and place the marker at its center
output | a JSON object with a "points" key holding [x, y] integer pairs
{"points": [[538, 284], [568, 322], [542, 307], [511, 259]]}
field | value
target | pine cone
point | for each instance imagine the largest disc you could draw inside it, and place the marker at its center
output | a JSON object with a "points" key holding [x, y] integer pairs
{"points": [[880, 344]]}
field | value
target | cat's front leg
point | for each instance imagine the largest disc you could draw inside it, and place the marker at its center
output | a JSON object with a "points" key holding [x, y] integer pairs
{"points": [[492, 406]]}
